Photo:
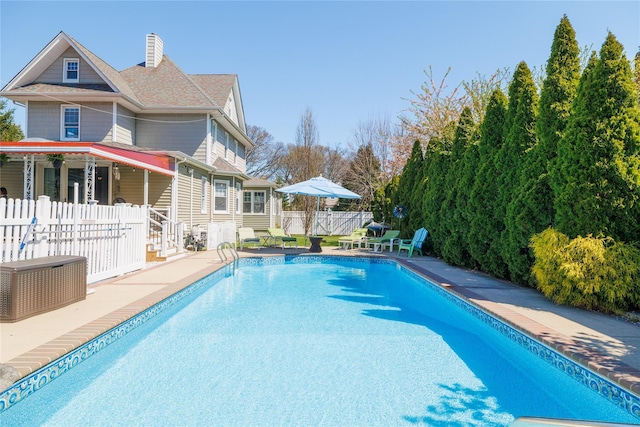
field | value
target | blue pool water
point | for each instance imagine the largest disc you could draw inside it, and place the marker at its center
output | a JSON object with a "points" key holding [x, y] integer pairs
{"points": [[345, 343]]}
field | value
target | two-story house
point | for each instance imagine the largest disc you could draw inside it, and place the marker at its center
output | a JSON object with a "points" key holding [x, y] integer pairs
{"points": [[150, 134]]}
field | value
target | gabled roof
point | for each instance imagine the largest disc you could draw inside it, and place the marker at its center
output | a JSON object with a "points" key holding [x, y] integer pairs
{"points": [[145, 89], [166, 86], [217, 86], [223, 167], [260, 183]]}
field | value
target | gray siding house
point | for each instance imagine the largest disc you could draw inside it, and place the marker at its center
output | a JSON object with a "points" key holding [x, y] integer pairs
{"points": [[150, 134]]}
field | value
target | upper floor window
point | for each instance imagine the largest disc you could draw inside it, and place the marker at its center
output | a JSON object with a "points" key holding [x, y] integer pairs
{"points": [[70, 123], [221, 197], [235, 151], [226, 145], [71, 71]]}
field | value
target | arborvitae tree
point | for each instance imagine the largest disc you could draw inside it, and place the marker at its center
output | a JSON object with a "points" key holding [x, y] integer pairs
{"points": [[636, 70], [485, 225], [464, 213], [516, 141], [408, 195], [558, 90], [531, 211], [386, 199], [453, 230], [598, 167], [436, 165]]}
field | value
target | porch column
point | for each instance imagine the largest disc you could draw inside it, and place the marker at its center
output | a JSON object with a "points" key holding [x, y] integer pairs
{"points": [[89, 177], [28, 177], [145, 199]]}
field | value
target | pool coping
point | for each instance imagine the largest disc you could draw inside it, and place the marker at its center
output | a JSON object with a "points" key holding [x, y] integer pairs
{"points": [[620, 374]]}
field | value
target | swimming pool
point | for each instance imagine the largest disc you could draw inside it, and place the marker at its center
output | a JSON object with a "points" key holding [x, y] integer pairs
{"points": [[311, 341]]}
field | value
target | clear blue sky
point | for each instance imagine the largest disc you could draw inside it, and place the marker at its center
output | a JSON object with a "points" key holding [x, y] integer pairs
{"points": [[346, 61]]}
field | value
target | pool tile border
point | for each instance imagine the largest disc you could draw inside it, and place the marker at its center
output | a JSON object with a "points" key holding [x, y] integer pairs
{"points": [[133, 318], [41, 377], [613, 392]]}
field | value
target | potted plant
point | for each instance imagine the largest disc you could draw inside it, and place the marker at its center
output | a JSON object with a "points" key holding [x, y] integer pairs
{"points": [[55, 159], [3, 159]]}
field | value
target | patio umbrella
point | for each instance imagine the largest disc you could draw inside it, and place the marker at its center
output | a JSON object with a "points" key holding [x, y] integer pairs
{"points": [[377, 227], [319, 187]]}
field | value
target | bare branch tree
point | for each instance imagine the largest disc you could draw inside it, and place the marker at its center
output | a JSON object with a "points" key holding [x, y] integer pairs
{"points": [[437, 108], [264, 160]]}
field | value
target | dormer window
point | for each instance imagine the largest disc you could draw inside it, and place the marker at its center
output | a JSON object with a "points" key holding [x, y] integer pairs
{"points": [[71, 71]]}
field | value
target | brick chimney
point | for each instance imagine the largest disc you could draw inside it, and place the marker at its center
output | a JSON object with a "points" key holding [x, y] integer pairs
{"points": [[154, 50]]}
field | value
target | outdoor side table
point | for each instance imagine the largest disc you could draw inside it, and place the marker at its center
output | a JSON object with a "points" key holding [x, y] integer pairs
{"points": [[315, 244]]}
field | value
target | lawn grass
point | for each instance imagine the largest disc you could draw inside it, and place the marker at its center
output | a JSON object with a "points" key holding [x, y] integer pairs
{"points": [[326, 240]]}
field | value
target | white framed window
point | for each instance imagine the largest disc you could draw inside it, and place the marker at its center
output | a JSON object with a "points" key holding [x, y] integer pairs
{"points": [[254, 202], [203, 195], [226, 145], [221, 196], [71, 70], [70, 123], [214, 136], [235, 151], [238, 194]]}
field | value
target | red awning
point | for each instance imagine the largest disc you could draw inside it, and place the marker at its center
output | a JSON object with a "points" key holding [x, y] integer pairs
{"points": [[159, 163]]}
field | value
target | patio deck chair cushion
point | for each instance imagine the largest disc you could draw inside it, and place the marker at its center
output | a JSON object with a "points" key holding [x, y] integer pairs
{"points": [[247, 236], [386, 238], [278, 233], [416, 243], [357, 236]]}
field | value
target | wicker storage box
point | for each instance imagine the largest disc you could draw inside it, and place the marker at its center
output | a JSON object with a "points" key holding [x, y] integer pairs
{"points": [[35, 286]]}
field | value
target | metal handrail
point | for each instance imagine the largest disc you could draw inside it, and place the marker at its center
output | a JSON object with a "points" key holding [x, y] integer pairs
{"points": [[223, 257]]}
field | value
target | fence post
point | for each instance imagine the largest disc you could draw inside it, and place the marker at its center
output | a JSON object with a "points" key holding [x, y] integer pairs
{"points": [[180, 236], [43, 214], [76, 214]]}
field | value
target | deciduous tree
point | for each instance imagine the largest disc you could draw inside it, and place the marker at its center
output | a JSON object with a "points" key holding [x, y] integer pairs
{"points": [[9, 130], [264, 159]]}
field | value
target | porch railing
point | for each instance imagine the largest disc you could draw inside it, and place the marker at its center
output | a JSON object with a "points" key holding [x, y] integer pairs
{"points": [[164, 233]]}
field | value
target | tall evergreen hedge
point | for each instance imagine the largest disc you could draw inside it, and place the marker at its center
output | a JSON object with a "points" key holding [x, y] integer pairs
{"points": [[409, 194], [485, 226], [531, 210], [597, 176], [454, 227]]}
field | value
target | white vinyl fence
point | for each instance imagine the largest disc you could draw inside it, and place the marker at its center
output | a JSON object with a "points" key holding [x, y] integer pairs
{"points": [[329, 222], [112, 238]]}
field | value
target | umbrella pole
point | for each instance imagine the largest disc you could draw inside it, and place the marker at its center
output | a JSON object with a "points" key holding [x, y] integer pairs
{"points": [[317, 214]]}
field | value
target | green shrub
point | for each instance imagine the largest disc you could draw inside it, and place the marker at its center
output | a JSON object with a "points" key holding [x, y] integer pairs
{"points": [[595, 273]]}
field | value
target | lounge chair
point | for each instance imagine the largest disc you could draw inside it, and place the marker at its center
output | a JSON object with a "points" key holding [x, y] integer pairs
{"points": [[278, 233], [357, 236], [387, 239], [414, 244], [247, 236]]}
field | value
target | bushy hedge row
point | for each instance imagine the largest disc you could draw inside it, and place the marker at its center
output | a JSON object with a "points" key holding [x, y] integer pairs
{"points": [[568, 158], [595, 273]]}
